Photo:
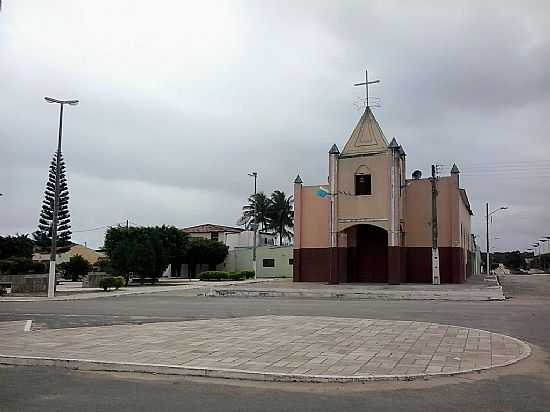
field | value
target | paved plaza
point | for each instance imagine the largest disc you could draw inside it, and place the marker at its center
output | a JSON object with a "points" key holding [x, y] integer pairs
{"points": [[302, 348]]}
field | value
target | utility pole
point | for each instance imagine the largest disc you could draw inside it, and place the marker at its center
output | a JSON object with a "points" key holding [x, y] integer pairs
{"points": [[436, 280], [127, 224], [488, 258], [255, 227], [53, 253]]}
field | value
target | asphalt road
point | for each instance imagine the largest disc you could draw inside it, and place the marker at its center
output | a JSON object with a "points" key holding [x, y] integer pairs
{"points": [[524, 387]]}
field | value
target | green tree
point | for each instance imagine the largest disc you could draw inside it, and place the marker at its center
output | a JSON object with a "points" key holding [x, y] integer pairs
{"points": [[43, 236], [76, 268], [144, 251], [206, 251], [281, 215], [16, 246], [256, 211]]}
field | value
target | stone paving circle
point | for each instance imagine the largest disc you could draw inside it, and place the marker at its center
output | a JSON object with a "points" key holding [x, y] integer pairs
{"points": [[281, 348]]}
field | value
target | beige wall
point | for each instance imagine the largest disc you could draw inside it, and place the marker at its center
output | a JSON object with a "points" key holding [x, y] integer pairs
{"points": [[313, 218], [451, 213], [89, 254], [376, 207]]}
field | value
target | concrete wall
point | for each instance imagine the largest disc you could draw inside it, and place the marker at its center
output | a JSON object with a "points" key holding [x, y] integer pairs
{"points": [[92, 279], [26, 283]]}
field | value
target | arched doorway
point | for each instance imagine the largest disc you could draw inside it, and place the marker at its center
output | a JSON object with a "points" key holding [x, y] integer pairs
{"points": [[367, 254]]}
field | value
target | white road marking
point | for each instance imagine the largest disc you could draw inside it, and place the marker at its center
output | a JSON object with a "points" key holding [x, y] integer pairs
{"points": [[28, 324]]}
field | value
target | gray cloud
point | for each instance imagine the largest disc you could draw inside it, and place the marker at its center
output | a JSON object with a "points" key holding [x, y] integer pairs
{"points": [[181, 100]]}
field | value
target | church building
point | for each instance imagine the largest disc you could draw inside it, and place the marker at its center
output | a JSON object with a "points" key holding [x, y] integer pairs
{"points": [[370, 223]]}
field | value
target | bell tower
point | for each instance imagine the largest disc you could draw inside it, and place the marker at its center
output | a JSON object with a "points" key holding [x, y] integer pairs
{"points": [[367, 178]]}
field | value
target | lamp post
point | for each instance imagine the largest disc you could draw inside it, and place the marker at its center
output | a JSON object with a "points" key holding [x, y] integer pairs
{"points": [[543, 240], [255, 224], [487, 215], [53, 254]]}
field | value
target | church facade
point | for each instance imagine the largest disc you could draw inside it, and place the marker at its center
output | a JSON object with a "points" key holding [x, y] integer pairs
{"points": [[370, 223]]}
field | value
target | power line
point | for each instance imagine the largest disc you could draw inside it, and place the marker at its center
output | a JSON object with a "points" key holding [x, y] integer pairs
{"points": [[95, 228]]}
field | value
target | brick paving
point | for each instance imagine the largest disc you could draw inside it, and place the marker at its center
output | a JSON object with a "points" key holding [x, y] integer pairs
{"points": [[296, 345]]}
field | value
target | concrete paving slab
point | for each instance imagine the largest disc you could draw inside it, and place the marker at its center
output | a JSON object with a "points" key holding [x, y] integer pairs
{"points": [[272, 348]]}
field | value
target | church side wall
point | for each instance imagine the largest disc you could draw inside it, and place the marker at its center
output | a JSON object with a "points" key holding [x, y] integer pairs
{"points": [[418, 231], [312, 254]]}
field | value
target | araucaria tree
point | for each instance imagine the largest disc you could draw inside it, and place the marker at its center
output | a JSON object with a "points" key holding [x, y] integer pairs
{"points": [[43, 236]]}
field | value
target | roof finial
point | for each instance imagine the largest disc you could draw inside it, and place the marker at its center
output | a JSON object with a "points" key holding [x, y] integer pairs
{"points": [[334, 150]]}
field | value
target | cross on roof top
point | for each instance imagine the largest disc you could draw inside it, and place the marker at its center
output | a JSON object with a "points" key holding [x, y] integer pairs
{"points": [[366, 84]]}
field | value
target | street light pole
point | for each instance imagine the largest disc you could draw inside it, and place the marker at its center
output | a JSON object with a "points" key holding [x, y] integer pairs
{"points": [[53, 253], [255, 226], [487, 215]]}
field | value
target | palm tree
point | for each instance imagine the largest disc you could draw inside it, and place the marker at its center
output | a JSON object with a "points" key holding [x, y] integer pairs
{"points": [[281, 215], [258, 205]]}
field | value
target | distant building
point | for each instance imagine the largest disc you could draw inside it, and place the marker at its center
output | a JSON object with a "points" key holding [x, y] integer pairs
{"points": [[231, 236], [271, 261], [380, 228], [90, 255], [240, 243]]}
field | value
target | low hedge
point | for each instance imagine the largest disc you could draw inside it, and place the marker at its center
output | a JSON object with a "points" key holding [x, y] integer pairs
{"points": [[247, 274], [112, 282], [212, 275]]}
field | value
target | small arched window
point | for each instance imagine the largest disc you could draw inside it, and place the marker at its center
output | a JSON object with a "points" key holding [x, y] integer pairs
{"points": [[363, 185]]}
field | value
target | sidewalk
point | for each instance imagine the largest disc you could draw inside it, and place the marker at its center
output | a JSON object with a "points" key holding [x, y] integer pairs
{"points": [[268, 348]]}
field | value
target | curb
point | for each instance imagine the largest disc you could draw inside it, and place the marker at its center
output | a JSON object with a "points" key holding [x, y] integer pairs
{"points": [[112, 294], [342, 294], [238, 374]]}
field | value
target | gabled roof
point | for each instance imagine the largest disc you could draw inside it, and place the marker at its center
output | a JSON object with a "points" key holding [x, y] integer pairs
{"points": [[367, 137], [210, 228], [464, 198]]}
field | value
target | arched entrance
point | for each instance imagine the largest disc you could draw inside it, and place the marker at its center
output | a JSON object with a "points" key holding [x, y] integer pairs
{"points": [[367, 254]]}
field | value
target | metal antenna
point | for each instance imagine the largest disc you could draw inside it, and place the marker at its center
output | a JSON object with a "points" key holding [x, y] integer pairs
{"points": [[366, 84]]}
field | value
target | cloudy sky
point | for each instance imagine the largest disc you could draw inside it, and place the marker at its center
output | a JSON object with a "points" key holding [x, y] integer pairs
{"points": [[180, 100]]}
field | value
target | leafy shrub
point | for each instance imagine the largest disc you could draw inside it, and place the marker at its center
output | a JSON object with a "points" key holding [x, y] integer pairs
{"points": [[118, 282], [235, 276], [112, 282], [211, 275], [106, 283], [247, 274], [214, 275]]}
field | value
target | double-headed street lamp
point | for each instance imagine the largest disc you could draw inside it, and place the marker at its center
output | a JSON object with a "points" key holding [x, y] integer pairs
{"points": [[51, 275], [489, 214]]}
